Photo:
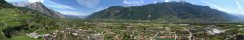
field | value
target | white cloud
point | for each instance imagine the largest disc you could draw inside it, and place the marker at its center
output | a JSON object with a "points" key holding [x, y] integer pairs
{"points": [[74, 13], [218, 7], [166, 0], [155, 1], [33, 1], [238, 4], [133, 2], [16, 0], [52, 4], [88, 3]]}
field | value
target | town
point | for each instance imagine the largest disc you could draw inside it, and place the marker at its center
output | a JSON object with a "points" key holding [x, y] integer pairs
{"points": [[144, 31]]}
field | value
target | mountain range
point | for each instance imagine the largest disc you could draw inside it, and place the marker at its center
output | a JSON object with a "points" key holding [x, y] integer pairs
{"points": [[41, 8], [166, 11]]}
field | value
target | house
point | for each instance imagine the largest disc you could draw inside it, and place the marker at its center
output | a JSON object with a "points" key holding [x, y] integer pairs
{"points": [[33, 35], [183, 24], [239, 25], [165, 38]]}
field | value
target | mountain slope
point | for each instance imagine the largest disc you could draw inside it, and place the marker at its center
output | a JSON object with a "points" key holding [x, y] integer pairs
{"points": [[20, 4], [168, 11], [4, 4], [15, 21], [41, 8]]}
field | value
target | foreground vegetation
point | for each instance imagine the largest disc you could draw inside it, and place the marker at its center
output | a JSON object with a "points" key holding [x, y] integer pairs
{"points": [[25, 24], [129, 30]]}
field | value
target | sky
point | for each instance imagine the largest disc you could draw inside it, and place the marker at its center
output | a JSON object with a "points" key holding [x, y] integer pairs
{"points": [[87, 7]]}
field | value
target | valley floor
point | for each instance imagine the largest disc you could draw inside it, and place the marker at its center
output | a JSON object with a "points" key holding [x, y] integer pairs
{"points": [[108, 30]]}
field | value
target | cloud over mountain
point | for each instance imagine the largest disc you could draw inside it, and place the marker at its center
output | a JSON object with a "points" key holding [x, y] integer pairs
{"points": [[57, 5], [33, 1], [88, 3], [133, 2]]}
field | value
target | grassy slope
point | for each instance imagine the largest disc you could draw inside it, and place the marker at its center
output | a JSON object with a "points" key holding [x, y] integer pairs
{"points": [[11, 17], [14, 17], [2, 37], [23, 37], [6, 16]]}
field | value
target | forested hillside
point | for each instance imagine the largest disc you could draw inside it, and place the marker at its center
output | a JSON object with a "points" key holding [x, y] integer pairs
{"points": [[166, 11]]}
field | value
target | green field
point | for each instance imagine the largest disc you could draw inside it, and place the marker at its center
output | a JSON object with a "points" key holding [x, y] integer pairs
{"points": [[24, 37], [165, 39]]}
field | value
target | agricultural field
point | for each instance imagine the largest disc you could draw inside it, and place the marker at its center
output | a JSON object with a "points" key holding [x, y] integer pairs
{"points": [[117, 30]]}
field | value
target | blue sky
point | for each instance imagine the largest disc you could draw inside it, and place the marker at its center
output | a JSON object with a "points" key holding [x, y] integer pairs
{"points": [[87, 7]]}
